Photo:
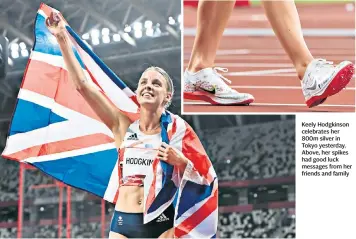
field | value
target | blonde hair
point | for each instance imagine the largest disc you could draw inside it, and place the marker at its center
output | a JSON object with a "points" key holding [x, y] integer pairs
{"points": [[168, 79]]}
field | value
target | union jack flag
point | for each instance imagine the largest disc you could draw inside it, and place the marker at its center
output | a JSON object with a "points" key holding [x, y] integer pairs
{"points": [[56, 131]]}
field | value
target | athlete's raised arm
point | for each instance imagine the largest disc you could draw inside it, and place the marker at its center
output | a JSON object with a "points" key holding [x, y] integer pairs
{"points": [[106, 111]]}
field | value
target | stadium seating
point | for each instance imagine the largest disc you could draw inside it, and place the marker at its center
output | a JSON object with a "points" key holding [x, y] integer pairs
{"points": [[8, 232], [252, 152], [266, 223]]}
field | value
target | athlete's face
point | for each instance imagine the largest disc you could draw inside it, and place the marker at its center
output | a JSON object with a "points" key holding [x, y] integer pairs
{"points": [[152, 89]]}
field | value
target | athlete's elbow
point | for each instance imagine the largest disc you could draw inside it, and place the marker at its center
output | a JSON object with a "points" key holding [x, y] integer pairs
{"points": [[79, 88], [80, 84], [82, 89]]}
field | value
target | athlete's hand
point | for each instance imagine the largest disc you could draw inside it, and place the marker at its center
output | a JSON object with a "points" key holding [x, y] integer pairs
{"points": [[55, 24], [172, 156]]}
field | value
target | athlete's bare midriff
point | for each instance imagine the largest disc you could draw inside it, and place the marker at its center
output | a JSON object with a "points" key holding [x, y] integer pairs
{"points": [[130, 199]]}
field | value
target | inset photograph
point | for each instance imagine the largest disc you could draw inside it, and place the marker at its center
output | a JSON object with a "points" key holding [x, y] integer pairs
{"points": [[268, 56]]}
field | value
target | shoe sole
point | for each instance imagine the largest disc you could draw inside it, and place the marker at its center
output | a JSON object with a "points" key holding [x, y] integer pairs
{"points": [[339, 82], [201, 96]]}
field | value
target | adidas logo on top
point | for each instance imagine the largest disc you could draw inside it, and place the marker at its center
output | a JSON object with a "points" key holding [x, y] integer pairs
{"points": [[162, 218], [132, 137]]}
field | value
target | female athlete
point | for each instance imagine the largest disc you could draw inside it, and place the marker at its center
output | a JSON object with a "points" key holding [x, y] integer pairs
{"points": [[139, 142]]}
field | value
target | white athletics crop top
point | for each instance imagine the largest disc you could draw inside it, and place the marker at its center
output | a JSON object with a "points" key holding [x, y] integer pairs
{"points": [[136, 155]]}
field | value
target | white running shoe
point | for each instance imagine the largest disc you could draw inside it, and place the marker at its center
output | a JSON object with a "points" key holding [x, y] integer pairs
{"points": [[322, 79], [208, 85]]}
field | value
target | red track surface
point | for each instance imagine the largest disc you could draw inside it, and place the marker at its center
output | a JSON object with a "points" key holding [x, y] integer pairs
{"points": [[280, 91]]}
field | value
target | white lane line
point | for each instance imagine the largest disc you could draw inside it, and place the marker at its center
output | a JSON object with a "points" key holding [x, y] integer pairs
{"points": [[268, 73], [252, 65], [234, 52], [260, 73], [272, 75], [271, 72], [276, 87], [273, 57], [276, 51], [309, 32], [275, 104]]}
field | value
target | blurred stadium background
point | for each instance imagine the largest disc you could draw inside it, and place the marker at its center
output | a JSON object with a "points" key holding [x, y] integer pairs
{"points": [[254, 155]]}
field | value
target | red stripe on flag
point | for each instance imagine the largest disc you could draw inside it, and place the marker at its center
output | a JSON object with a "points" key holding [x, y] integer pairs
{"points": [[46, 9], [47, 85], [93, 79], [54, 83], [134, 99], [194, 150], [62, 146], [116, 196], [197, 217], [173, 130], [119, 172], [152, 192]]}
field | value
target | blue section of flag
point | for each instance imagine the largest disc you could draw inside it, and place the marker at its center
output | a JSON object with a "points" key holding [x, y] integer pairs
{"points": [[30, 116], [169, 189], [196, 193], [167, 193], [79, 170], [46, 43], [167, 169], [175, 200]]}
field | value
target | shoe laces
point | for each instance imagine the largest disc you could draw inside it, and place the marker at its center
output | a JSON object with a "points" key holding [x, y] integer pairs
{"points": [[226, 87], [321, 67], [325, 63], [216, 69]]}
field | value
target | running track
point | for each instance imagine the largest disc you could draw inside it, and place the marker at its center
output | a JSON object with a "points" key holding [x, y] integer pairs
{"points": [[258, 64]]}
